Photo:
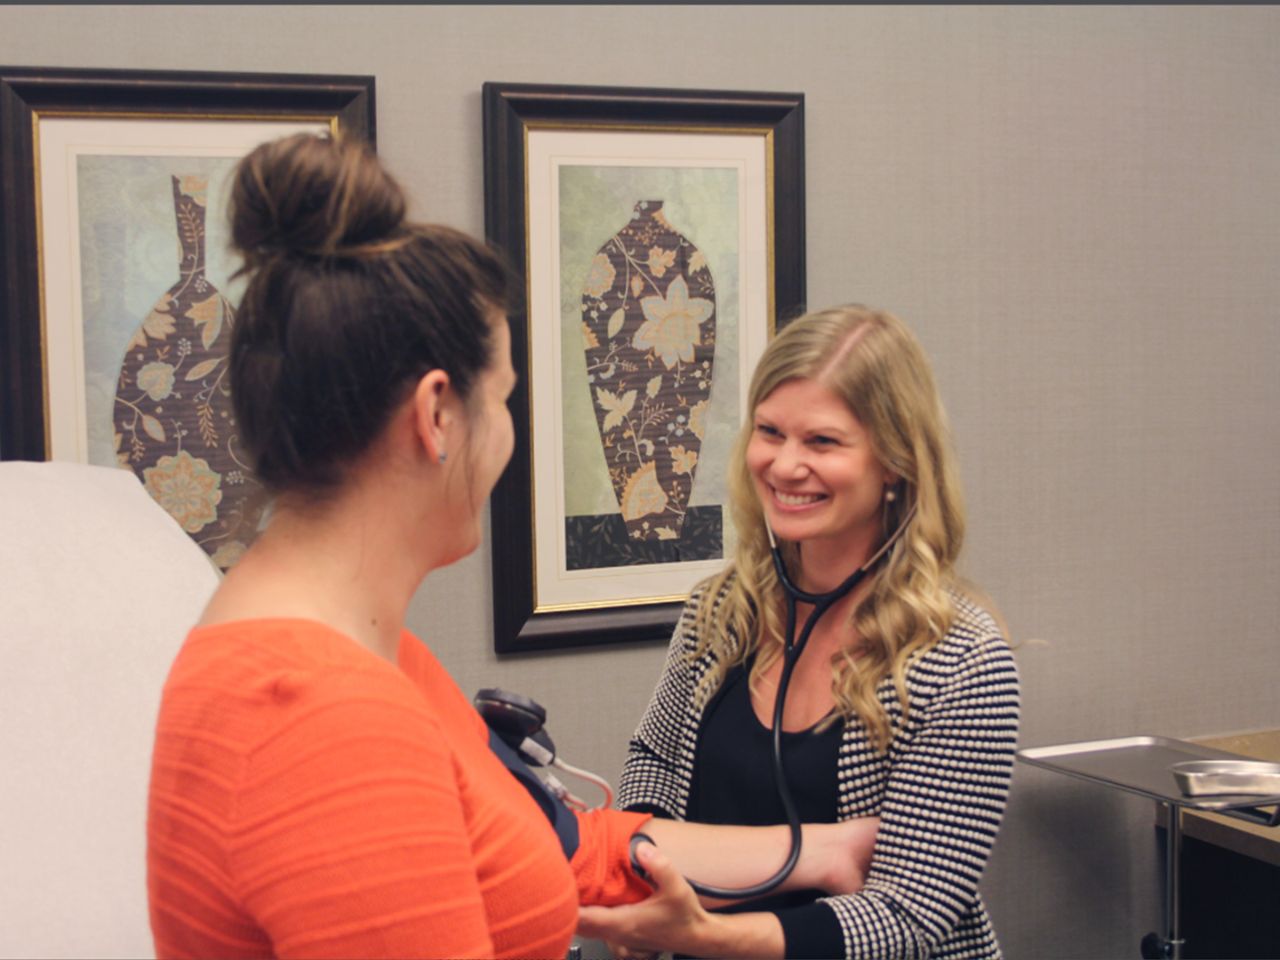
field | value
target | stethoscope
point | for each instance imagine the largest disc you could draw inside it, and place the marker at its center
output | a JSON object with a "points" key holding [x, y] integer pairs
{"points": [[792, 649]]}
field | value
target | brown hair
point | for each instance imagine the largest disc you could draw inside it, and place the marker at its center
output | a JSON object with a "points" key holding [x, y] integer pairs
{"points": [[348, 303]]}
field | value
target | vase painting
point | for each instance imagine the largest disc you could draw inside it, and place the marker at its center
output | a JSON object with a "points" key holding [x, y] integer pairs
{"points": [[173, 422], [649, 330]]}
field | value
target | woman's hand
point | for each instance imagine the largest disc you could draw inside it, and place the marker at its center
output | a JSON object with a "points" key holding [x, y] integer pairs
{"points": [[673, 919], [670, 919]]}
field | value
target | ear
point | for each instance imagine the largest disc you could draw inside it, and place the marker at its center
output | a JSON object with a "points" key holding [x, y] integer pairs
{"points": [[433, 413]]}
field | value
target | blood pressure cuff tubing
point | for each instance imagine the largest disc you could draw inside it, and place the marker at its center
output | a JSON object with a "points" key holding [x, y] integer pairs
{"points": [[562, 819]]}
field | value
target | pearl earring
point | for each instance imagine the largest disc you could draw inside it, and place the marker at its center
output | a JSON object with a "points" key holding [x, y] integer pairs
{"points": [[890, 496]]}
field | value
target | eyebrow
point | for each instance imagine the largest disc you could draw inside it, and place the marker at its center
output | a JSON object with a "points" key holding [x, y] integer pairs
{"points": [[828, 429], [839, 431]]}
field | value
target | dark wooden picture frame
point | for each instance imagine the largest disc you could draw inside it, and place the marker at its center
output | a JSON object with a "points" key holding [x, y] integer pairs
{"points": [[29, 94], [513, 111]]}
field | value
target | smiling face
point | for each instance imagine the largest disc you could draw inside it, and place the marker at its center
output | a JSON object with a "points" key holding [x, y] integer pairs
{"points": [[815, 470]]}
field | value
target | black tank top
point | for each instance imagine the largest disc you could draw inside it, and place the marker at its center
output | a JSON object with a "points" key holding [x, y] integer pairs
{"points": [[733, 766], [733, 775]]}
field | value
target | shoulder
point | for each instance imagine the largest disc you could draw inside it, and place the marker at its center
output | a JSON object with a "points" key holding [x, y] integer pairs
{"points": [[704, 599], [294, 673], [710, 595], [704, 594], [967, 683], [974, 625], [711, 591], [973, 646]]}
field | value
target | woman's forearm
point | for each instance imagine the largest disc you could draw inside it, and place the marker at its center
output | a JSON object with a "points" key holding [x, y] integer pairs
{"points": [[833, 856], [754, 935]]}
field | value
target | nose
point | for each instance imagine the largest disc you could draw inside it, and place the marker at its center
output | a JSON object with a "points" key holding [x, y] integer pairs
{"points": [[791, 462]]}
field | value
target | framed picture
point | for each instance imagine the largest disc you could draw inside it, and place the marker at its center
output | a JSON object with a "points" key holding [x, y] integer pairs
{"points": [[116, 273], [660, 238]]}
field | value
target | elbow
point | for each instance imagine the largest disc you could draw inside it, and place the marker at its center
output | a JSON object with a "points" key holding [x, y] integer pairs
{"points": [[888, 925]]}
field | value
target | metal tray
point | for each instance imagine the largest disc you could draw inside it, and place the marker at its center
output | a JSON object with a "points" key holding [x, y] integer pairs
{"points": [[1205, 778], [1142, 765]]}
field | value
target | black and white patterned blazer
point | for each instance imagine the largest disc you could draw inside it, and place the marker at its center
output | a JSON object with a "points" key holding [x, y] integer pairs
{"points": [[940, 791]]}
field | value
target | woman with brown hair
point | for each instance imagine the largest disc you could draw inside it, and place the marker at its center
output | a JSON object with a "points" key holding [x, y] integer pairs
{"points": [[320, 786]]}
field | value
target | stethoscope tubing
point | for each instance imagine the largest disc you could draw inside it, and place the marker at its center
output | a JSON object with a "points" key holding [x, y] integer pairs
{"points": [[792, 649]]}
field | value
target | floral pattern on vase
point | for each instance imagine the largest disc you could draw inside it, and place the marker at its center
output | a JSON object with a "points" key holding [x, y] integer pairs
{"points": [[172, 417], [648, 328]]}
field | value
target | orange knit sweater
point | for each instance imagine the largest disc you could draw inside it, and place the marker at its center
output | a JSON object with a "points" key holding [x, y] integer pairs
{"points": [[310, 799]]}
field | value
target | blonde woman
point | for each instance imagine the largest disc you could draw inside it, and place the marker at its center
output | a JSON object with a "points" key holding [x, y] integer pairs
{"points": [[904, 704]]}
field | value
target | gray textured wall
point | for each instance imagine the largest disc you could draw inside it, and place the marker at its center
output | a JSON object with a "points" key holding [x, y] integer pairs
{"points": [[1075, 207]]}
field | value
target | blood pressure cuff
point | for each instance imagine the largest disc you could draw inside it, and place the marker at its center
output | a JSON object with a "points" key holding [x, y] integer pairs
{"points": [[562, 819]]}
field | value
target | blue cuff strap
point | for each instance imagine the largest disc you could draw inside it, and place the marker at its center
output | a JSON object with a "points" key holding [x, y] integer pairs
{"points": [[562, 819]]}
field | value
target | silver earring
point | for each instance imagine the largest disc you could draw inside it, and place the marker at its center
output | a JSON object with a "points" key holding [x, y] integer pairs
{"points": [[443, 456], [890, 496]]}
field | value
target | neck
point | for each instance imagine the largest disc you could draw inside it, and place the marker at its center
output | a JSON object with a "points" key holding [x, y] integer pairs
{"points": [[353, 562], [825, 564]]}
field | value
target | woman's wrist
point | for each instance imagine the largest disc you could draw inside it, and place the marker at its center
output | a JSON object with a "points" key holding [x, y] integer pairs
{"points": [[827, 857], [757, 935], [841, 853]]}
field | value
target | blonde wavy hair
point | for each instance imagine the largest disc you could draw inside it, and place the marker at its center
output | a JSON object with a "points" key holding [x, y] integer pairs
{"points": [[871, 360]]}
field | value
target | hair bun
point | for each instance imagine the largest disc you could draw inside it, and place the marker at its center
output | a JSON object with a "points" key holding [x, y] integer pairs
{"points": [[313, 195]]}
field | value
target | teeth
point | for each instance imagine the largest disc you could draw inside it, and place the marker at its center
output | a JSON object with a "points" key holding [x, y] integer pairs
{"points": [[796, 500]]}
